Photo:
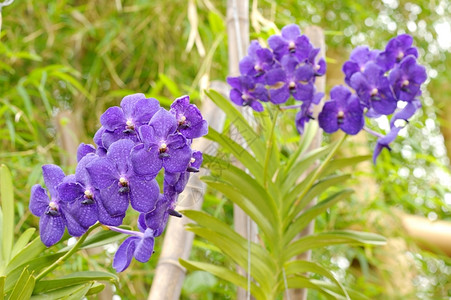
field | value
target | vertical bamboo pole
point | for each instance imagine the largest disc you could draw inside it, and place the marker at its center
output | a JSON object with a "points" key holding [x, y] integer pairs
{"points": [[238, 39], [169, 274], [316, 36]]}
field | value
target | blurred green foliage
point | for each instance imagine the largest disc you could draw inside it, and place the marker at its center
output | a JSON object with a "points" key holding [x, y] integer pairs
{"points": [[83, 56]]}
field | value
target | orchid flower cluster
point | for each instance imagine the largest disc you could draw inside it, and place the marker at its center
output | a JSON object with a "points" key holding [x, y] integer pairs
{"points": [[385, 83], [136, 141], [288, 68]]}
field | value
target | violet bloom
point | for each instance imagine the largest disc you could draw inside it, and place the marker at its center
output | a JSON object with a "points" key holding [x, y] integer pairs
{"points": [[101, 150], [84, 149], [122, 122], [114, 176], [179, 180], [292, 79], [246, 92], [406, 79], [385, 141], [342, 112], [162, 146], [190, 122], [396, 50], [407, 112], [304, 115], [158, 218], [287, 42], [258, 61], [54, 213], [85, 200], [374, 90], [140, 245], [357, 61]]}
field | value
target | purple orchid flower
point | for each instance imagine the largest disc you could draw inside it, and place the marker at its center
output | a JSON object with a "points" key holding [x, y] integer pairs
{"points": [[374, 90], [258, 61], [84, 149], [396, 50], [119, 185], [85, 200], [385, 141], [140, 245], [189, 119], [54, 214], [123, 122], [304, 115], [287, 42], [406, 79], [161, 146], [246, 92], [292, 79], [359, 57], [179, 180], [342, 112]]}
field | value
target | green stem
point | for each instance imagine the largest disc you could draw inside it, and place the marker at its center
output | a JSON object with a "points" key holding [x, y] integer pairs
{"points": [[318, 171], [68, 254], [269, 149]]}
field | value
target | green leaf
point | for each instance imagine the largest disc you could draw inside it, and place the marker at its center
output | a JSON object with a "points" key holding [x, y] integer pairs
{"points": [[331, 288], [341, 163], [314, 191], [306, 217], [253, 139], [251, 189], [2, 287], [295, 172], [73, 279], [246, 205], [223, 229], [302, 266], [95, 289], [332, 238], [35, 265], [300, 282], [225, 274], [238, 151], [261, 272], [31, 251], [7, 203], [75, 292], [22, 241], [170, 84], [23, 287]]}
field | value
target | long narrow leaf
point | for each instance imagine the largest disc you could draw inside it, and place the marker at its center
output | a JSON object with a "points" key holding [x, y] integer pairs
{"points": [[247, 206], [25, 279], [304, 219], [7, 204], [22, 241], [252, 190], [221, 228], [332, 238], [291, 211], [261, 272], [31, 251], [65, 293], [238, 151], [302, 266], [225, 274], [74, 279], [301, 282], [253, 140]]}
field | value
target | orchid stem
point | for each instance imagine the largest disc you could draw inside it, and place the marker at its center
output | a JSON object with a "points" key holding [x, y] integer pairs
{"points": [[68, 254]]}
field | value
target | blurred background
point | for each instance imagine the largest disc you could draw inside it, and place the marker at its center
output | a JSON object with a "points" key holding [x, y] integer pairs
{"points": [[62, 63]]}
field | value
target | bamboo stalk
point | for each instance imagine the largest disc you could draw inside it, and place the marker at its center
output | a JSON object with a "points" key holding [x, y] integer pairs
{"points": [[316, 36], [169, 274]]}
